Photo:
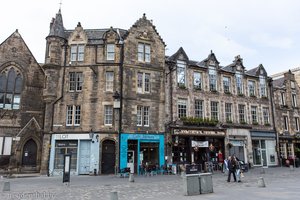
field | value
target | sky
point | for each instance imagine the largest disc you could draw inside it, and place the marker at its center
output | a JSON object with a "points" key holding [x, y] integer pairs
{"points": [[262, 32]]}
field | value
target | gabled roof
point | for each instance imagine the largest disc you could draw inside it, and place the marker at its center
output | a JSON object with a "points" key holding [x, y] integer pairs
{"points": [[33, 122], [179, 52], [211, 56], [237, 61], [279, 83], [143, 21], [256, 71]]}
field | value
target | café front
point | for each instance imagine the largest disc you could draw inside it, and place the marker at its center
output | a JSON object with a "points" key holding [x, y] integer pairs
{"points": [[194, 146]]}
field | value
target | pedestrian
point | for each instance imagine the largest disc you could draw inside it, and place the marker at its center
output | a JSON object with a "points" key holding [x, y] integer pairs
{"points": [[220, 160], [231, 167], [237, 168], [225, 166]]}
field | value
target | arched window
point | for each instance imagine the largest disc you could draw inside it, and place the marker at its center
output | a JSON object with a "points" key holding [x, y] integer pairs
{"points": [[11, 83]]}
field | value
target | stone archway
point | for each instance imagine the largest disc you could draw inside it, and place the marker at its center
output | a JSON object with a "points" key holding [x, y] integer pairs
{"points": [[29, 155], [108, 157]]}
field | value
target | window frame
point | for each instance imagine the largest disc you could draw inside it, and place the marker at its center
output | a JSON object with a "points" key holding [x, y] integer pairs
{"points": [[109, 81], [242, 113], [285, 123], [181, 73], [294, 100], [262, 86], [143, 82], [228, 112], [73, 115], [110, 51], [108, 115], [144, 52], [214, 110], [199, 112], [212, 78], [77, 52], [297, 127], [197, 80], [182, 108], [254, 114], [239, 83], [143, 116], [75, 81], [266, 115], [251, 88], [226, 84]]}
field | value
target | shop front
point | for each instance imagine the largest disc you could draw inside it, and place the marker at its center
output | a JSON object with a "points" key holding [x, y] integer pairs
{"points": [[84, 151], [264, 148], [138, 150], [199, 147], [289, 150]]}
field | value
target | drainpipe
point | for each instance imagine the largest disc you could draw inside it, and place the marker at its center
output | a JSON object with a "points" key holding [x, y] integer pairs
{"points": [[121, 42], [273, 116]]}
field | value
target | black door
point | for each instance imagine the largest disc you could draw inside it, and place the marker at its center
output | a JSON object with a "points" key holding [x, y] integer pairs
{"points": [[108, 157], [29, 153]]}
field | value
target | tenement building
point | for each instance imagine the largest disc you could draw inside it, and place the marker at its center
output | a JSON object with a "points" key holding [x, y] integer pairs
{"points": [[215, 110], [104, 96], [21, 107], [286, 98]]}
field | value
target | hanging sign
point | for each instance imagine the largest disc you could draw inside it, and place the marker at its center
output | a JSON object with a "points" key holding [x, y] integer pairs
{"points": [[199, 143]]}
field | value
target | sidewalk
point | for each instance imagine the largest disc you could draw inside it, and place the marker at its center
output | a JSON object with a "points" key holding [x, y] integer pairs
{"points": [[281, 183]]}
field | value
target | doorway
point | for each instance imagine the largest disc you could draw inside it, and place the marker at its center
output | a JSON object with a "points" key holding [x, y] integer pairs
{"points": [[29, 153], [108, 157], [84, 159]]}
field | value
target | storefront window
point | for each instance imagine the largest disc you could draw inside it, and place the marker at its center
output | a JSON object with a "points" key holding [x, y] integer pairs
{"points": [[65, 147], [256, 152], [150, 153]]}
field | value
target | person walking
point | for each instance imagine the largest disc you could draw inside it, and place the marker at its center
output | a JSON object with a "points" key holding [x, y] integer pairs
{"points": [[231, 167], [237, 168]]}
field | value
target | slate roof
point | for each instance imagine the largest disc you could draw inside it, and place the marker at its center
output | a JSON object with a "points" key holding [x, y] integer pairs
{"points": [[279, 82]]}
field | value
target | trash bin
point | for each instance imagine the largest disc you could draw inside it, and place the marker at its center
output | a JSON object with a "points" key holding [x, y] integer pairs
{"points": [[191, 184], [205, 182]]}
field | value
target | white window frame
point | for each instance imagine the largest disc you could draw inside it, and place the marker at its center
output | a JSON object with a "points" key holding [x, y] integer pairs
{"points": [[182, 108], [242, 113], [197, 80], [77, 52], [283, 150], [266, 116], [73, 115], [251, 88], [212, 75], [144, 52], [254, 114], [226, 84], [143, 116], [262, 86], [199, 113], [109, 81], [181, 73], [143, 82], [108, 115], [110, 52], [239, 83], [214, 110], [228, 112]]}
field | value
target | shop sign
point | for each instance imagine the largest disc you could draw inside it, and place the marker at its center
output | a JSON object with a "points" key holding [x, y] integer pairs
{"points": [[198, 132], [199, 143], [143, 137], [237, 143]]}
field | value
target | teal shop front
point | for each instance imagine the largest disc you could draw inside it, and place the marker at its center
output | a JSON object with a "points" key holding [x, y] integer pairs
{"points": [[137, 149]]}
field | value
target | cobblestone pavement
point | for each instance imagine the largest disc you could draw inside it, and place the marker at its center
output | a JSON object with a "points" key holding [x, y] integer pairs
{"points": [[281, 183]]}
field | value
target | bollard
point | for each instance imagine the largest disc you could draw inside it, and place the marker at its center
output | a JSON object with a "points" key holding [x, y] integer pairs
{"points": [[113, 195], [6, 186], [261, 182], [131, 178], [291, 167]]}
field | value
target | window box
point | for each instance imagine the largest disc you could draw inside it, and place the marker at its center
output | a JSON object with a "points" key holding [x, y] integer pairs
{"points": [[228, 121], [267, 124], [240, 94], [193, 121], [264, 97], [243, 122], [252, 95], [214, 91], [227, 92], [255, 123]]}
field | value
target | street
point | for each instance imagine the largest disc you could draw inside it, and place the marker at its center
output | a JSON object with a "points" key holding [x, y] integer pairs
{"points": [[281, 183]]}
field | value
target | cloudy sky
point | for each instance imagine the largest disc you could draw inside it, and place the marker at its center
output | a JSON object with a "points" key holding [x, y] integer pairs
{"points": [[262, 32]]}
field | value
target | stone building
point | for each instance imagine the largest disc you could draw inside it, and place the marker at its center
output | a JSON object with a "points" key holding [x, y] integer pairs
{"points": [[214, 109], [286, 98], [104, 97], [21, 107]]}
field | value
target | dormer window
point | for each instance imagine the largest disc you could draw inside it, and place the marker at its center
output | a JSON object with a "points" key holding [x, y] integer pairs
{"points": [[77, 52], [239, 83], [212, 73], [262, 85], [197, 80], [110, 52], [181, 73]]}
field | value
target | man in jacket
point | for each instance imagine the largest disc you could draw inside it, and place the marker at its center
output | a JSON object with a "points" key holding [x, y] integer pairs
{"points": [[231, 167]]}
